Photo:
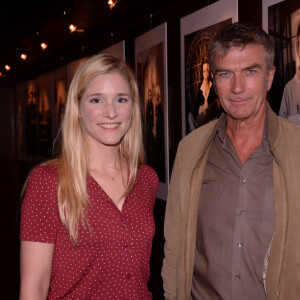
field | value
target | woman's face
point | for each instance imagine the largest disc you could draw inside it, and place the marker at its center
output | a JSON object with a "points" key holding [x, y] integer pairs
{"points": [[106, 109], [206, 71]]}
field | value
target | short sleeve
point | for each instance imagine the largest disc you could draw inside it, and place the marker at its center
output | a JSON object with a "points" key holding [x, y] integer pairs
{"points": [[39, 210], [150, 181]]}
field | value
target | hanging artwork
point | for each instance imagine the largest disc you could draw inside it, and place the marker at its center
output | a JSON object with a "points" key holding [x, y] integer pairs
{"points": [[31, 119], [200, 104], [73, 66], [151, 68], [45, 115], [117, 50]]}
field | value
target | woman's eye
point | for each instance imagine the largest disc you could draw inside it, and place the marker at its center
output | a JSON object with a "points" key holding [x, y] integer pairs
{"points": [[122, 100], [95, 100]]}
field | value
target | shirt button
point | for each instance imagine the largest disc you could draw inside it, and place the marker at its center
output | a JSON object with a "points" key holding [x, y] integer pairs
{"points": [[237, 276], [127, 248], [244, 180], [242, 212], [240, 244], [128, 275]]}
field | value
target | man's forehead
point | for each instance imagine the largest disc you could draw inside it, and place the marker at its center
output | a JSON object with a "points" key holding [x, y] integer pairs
{"points": [[239, 50]]}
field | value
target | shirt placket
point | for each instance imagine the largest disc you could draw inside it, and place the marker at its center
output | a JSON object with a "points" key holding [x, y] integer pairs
{"points": [[128, 251], [239, 241]]}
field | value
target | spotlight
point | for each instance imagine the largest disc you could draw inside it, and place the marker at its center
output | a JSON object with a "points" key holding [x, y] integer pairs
{"points": [[44, 46], [24, 56], [72, 28], [112, 3]]}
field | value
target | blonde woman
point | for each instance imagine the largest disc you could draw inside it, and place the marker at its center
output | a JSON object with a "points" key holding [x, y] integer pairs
{"points": [[87, 217]]}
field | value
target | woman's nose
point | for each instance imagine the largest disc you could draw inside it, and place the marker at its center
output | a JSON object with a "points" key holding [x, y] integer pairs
{"points": [[110, 110]]}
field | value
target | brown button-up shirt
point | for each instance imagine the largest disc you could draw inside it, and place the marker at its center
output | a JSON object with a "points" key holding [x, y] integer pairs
{"points": [[236, 219]]}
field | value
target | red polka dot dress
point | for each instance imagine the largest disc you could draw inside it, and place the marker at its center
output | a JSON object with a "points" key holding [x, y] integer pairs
{"points": [[111, 259]]}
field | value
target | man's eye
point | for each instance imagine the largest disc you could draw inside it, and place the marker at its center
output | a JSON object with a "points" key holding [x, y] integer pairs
{"points": [[251, 71], [224, 74]]}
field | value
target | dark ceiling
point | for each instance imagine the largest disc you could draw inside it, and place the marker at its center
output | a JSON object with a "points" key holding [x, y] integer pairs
{"points": [[25, 24]]}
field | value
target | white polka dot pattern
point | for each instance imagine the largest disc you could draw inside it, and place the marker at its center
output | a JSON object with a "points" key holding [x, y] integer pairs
{"points": [[109, 262]]}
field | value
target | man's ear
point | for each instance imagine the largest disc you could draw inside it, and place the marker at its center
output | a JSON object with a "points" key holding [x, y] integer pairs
{"points": [[270, 77]]}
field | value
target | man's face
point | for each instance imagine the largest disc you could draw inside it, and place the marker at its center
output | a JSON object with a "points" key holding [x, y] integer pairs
{"points": [[242, 82]]}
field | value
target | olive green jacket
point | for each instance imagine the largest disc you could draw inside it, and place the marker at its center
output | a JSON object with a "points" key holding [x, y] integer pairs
{"points": [[281, 271]]}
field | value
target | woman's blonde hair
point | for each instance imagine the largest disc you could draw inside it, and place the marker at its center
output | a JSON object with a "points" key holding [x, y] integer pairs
{"points": [[72, 161]]}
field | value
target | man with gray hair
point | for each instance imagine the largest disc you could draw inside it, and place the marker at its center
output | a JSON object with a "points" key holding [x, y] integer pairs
{"points": [[232, 216]]}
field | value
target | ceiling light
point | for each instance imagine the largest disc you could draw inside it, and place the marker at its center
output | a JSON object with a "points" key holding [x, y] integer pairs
{"points": [[7, 67], [112, 3], [44, 46], [72, 28], [23, 56]]}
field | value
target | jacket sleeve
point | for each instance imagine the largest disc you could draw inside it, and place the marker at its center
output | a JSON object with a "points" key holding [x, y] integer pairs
{"points": [[172, 233]]}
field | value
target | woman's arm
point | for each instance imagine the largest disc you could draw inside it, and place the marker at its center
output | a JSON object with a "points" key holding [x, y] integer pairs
{"points": [[35, 266]]}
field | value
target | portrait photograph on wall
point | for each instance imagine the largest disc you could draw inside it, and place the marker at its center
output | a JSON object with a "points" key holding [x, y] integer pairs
{"points": [[200, 103], [45, 115], [61, 88], [30, 95], [117, 50], [60, 85], [151, 70], [282, 22], [20, 120]]}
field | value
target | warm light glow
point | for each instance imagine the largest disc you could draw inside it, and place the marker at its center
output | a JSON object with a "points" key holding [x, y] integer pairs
{"points": [[112, 3], [23, 56], [72, 28], [44, 46], [7, 67]]}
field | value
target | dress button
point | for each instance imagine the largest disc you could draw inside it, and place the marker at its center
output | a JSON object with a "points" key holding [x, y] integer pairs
{"points": [[128, 275], [127, 248], [124, 223]]}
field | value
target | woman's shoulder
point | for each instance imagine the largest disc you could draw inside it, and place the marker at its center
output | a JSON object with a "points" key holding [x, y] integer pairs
{"points": [[44, 172], [146, 169], [148, 177], [148, 172]]}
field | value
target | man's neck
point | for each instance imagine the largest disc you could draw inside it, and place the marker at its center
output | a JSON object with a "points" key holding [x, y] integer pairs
{"points": [[245, 136]]}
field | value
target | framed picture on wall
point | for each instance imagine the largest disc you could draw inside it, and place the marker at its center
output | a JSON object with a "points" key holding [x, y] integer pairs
{"points": [[73, 66], [281, 20], [60, 79], [117, 50], [45, 101], [30, 138], [20, 120], [199, 101], [151, 70]]}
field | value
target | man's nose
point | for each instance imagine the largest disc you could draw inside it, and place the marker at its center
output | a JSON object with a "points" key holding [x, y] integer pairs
{"points": [[237, 84]]}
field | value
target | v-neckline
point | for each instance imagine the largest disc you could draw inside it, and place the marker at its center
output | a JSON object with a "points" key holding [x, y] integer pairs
{"points": [[108, 198]]}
